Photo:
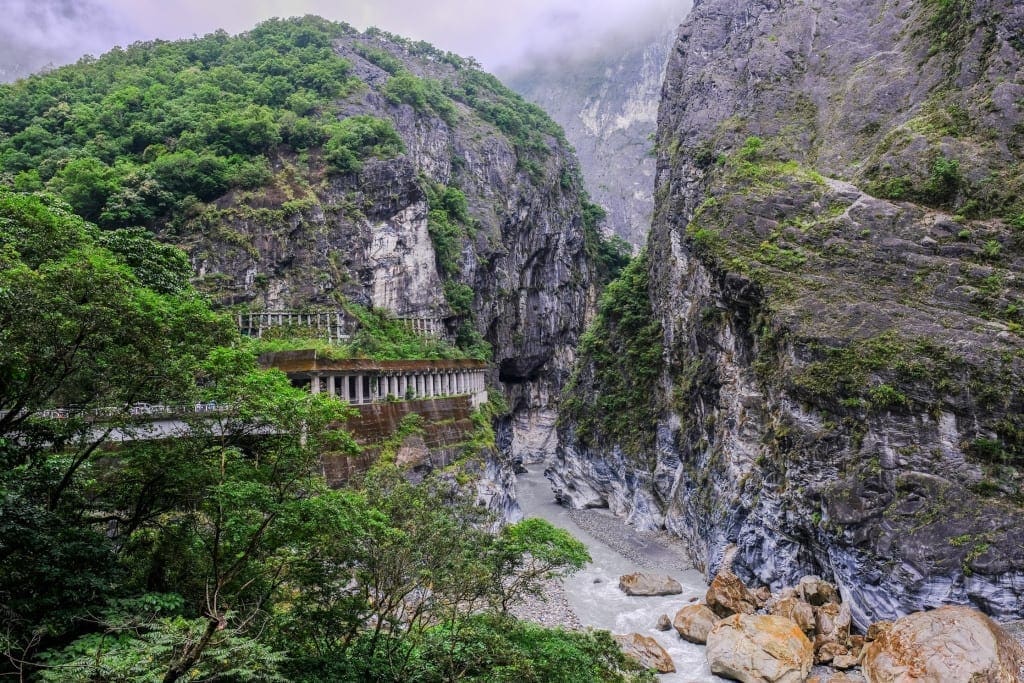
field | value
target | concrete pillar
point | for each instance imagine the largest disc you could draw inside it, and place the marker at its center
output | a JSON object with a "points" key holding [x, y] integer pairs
{"points": [[418, 379], [330, 385], [359, 389], [449, 384], [403, 385], [314, 384], [435, 380]]}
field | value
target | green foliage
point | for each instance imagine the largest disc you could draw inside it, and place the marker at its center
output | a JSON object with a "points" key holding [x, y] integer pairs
{"points": [[446, 237], [459, 297], [131, 136], [381, 58], [502, 650], [884, 396], [751, 149], [948, 22], [611, 395], [526, 124], [383, 337], [422, 94], [944, 182], [376, 547], [357, 138]]}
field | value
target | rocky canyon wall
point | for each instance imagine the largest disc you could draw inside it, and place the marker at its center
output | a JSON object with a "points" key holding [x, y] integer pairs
{"points": [[834, 275]]}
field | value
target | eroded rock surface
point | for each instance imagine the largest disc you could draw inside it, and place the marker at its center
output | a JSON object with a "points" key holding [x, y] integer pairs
{"points": [[694, 622], [642, 583], [647, 651], [835, 272], [759, 649], [947, 644]]}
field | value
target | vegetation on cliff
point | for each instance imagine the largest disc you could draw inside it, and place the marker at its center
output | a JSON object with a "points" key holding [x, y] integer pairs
{"points": [[223, 554], [612, 394]]}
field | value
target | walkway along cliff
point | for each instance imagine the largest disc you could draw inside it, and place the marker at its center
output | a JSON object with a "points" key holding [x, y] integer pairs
{"points": [[832, 378]]}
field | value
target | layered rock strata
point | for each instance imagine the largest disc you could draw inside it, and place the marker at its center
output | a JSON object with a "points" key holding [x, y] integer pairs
{"points": [[835, 270]]}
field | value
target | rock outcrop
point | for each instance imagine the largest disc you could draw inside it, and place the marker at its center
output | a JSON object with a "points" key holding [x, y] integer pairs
{"points": [[647, 651], [517, 273], [694, 623], [835, 274], [946, 644], [759, 649], [645, 584]]}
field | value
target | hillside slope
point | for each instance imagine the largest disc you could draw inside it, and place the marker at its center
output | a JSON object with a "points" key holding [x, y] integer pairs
{"points": [[305, 164], [835, 275]]}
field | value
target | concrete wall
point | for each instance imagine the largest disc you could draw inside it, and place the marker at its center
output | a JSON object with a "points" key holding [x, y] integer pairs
{"points": [[446, 422]]}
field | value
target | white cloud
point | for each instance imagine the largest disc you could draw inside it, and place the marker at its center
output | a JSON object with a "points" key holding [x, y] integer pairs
{"points": [[499, 34]]}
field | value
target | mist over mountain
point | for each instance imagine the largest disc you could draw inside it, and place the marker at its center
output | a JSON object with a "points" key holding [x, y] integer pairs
{"points": [[604, 91], [502, 36]]}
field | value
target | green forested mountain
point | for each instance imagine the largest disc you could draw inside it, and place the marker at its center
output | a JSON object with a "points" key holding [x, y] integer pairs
{"points": [[223, 555]]}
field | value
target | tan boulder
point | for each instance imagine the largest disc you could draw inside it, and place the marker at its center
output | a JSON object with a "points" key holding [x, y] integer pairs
{"points": [[829, 651], [833, 622], [817, 591], [727, 595], [759, 649], [664, 623], [947, 645], [649, 584], [762, 594], [647, 651], [847, 661], [796, 610], [694, 622]]}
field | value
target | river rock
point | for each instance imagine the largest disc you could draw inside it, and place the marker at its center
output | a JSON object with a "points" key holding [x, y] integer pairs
{"points": [[664, 623], [796, 610], [649, 584], [647, 651], [694, 622], [949, 644], [759, 649], [727, 595], [833, 622], [816, 591]]}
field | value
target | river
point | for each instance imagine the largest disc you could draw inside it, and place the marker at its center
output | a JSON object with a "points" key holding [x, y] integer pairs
{"points": [[593, 593]]}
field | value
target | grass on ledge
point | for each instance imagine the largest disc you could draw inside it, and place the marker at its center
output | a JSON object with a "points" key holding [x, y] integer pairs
{"points": [[380, 336]]}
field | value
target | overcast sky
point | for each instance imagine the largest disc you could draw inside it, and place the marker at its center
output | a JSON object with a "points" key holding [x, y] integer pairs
{"points": [[499, 33]]}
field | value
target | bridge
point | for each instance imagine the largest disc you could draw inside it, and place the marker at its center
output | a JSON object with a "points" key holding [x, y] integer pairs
{"points": [[360, 381]]}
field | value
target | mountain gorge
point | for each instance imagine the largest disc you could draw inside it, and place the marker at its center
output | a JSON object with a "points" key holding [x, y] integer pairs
{"points": [[833, 359], [607, 102], [321, 166]]}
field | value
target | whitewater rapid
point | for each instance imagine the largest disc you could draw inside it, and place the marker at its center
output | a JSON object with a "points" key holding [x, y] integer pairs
{"points": [[593, 593]]}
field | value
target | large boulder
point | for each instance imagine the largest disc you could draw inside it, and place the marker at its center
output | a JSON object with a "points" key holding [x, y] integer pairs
{"points": [[647, 651], [649, 584], [759, 649], [694, 622], [727, 595], [795, 610], [949, 644]]}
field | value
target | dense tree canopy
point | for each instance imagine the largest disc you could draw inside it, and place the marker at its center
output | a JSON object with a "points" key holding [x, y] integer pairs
{"points": [[216, 550]]}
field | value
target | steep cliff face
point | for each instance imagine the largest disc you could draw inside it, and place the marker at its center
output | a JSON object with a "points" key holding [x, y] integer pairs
{"points": [[608, 105], [835, 264], [514, 262]]}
